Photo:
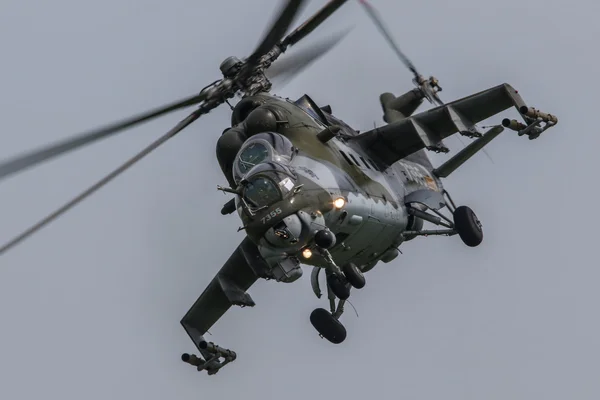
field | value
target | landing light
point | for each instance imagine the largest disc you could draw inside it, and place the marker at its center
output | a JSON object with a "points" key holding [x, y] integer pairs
{"points": [[306, 253], [339, 203]]}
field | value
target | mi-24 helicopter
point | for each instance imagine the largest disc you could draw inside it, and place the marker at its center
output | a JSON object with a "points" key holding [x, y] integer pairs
{"points": [[308, 188]]}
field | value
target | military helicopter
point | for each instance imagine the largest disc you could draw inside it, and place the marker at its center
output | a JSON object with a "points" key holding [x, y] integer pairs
{"points": [[308, 188]]}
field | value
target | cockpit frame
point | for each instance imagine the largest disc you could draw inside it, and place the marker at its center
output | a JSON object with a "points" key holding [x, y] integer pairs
{"points": [[268, 174]]}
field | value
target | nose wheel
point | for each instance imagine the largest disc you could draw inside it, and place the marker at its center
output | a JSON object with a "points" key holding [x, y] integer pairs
{"points": [[351, 276], [339, 286], [354, 275], [328, 325]]}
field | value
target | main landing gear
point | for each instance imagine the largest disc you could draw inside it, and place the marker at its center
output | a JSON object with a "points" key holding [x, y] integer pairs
{"points": [[327, 323], [467, 226], [464, 222]]}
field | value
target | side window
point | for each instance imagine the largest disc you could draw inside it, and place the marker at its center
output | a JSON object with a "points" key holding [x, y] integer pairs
{"points": [[355, 160], [346, 158], [364, 162], [373, 165], [352, 160]]}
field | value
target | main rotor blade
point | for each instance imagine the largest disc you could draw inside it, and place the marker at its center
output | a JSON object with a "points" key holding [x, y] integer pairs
{"points": [[278, 28], [289, 66], [384, 31], [35, 157], [312, 23], [76, 200]]}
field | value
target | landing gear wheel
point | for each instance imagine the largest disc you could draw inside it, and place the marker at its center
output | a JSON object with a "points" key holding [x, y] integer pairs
{"points": [[327, 326], [354, 275], [468, 226], [338, 286]]}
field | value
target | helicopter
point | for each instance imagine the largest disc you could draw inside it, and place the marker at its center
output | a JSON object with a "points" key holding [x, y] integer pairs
{"points": [[309, 189]]}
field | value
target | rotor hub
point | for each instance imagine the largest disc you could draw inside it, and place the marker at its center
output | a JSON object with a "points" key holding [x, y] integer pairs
{"points": [[230, 66]]}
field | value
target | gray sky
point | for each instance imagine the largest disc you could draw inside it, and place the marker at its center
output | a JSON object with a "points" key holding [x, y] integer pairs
{"points": [[91, 305]]}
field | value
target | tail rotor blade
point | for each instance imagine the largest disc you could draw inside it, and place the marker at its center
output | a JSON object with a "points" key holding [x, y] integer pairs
{"points": [[426, 86], [372, 12]]}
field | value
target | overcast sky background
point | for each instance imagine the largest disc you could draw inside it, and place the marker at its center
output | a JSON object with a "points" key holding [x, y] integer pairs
{"points": [[90, 306]]}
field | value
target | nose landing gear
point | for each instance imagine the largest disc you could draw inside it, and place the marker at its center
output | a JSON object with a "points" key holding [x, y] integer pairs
{"points": [[338, 285], [354, 275], [351, 276]]}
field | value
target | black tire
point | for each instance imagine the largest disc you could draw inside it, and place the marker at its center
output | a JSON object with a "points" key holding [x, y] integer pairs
{"points": [[327, 326], [468, 226], [354, 275], [339, 287]]}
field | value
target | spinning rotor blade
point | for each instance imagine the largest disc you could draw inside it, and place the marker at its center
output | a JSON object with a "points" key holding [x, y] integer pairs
{"points": [[35, 157], [287, 67], [278, 29], [379, 23], [83, 195], [439, 102], [291, 66], [425, 86], [312, 23], [212, 98]]}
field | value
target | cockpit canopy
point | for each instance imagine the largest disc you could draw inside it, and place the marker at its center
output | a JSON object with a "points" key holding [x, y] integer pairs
{"points": [[267, 183], [260, 148]]}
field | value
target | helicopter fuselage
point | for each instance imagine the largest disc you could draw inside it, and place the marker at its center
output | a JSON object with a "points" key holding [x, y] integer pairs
{"points": [[290, 185], [309, 189]]}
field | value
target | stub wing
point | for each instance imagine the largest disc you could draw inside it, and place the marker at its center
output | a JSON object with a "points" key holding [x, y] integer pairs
{"points": [[227, 288], [426, 130]]}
